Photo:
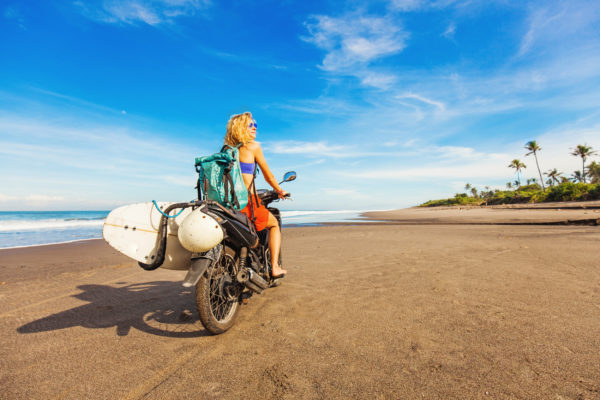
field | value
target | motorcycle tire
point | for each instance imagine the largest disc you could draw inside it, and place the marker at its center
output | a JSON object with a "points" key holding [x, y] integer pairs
{"points": [[217, 294]]}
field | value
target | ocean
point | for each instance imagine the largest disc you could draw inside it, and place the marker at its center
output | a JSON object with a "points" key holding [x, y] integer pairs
{"points": [[33, 228]]}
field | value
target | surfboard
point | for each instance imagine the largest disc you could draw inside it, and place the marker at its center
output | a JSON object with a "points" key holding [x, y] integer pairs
{"points": [[133, 231]]}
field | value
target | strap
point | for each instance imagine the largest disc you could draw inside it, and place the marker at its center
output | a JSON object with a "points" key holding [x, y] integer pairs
{"points": [[252, 193], [166, 215], [230, 188], [226, 186], [198, 186], [253, 180], [234, 197]]}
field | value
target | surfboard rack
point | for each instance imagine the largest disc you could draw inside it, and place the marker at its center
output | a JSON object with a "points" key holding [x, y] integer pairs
{"points": [[162, 228], [162, 234]]}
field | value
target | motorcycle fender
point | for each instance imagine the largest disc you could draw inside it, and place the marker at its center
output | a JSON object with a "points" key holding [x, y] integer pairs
{"points": [[198, 267]]}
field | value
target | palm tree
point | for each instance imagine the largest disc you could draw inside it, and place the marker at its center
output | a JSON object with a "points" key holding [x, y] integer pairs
{"points": [[468, 187], [584, 152], [518, 166], [509, 185], [594, 171], [577, 177], [474, 191], [533, 148], [553, 176], [487, 194]]}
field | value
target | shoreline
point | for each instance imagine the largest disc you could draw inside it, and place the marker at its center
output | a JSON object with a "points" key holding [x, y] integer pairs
{"points": [[542, 214], [563, 213], [48, 244]]}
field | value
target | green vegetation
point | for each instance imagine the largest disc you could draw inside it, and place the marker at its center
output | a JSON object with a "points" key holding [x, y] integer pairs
{"points": [[460, 199], [559, 187], [566, 191]]}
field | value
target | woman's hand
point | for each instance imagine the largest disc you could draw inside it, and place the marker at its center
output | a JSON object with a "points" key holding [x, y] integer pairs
{"points": [[282, 194]]}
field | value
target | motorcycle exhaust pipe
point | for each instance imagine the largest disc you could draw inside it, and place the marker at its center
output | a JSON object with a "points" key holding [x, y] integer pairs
{"points": [[253, 287], [252, 280]]}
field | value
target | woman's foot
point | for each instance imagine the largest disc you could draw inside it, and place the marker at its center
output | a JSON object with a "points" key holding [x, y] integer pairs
{"points": [[278, 273]]}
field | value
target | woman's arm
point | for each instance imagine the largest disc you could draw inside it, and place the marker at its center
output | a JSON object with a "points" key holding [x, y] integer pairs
{"points": [[264, 167]]}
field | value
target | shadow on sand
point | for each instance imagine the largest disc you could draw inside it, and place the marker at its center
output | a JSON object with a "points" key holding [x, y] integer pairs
{"points": [[161, 308]]}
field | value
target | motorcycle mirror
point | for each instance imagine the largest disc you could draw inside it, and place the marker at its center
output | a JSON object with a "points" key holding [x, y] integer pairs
{"points": [[289, 176]]}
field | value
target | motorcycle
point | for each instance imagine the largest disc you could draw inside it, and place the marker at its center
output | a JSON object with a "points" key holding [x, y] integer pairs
{"points": [[231, 272]]}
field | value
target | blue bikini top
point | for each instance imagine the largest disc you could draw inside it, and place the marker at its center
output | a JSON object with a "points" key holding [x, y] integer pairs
{"points": [[247, 167]]}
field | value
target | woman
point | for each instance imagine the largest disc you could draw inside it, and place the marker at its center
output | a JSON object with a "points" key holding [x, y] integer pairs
{"points": [[241, 129]]}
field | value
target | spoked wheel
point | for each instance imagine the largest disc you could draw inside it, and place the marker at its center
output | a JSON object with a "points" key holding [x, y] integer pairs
{"points": [[218, 294]]}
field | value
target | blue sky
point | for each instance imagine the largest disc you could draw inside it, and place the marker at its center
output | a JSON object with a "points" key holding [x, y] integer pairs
{"points": [[376, 105]]}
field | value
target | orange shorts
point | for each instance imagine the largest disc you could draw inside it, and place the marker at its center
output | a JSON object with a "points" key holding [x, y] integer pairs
{"points": [[261, 214]]}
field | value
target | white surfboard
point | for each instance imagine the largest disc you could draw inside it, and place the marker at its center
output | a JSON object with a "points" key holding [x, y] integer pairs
{"points": [[133, 231]]}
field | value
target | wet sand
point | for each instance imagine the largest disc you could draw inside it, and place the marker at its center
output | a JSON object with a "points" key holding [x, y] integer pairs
{"points": [[395, 311]]}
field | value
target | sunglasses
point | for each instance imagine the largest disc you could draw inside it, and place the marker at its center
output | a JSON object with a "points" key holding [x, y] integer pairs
{"points": [[253, 124]]}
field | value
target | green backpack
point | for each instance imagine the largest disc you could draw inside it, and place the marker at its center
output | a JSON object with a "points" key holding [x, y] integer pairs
{"points": [[220, 178]]}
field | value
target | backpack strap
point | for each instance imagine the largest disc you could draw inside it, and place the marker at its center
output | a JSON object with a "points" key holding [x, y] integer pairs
{"points": [[253, 180], [228, 180], [198, 188], [230, 188], [252, 193]]}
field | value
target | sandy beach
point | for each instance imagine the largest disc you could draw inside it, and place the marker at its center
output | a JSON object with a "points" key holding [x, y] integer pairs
{"points": [[479, 303]]}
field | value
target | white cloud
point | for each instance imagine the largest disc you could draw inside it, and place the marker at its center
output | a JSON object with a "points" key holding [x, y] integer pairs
{"points": [[40, 201], [540, 20], [179, 180], [151, 12], [6, 198], [340, 192], [461, 152], [410, 142], [378, 80], [407, 5], [418, 5], [310, 149], [450, 31], [467, 164], [355, 40], [67, 160], [555, 23], [13, 14], [40, 198], [438, 104], [472, 171]]}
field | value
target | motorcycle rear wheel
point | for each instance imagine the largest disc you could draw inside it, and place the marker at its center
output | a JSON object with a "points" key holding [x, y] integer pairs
{"points": [[217, 294]]}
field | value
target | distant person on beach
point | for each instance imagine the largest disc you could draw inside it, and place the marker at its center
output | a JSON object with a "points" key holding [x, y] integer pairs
{"points": [[241, 129]]}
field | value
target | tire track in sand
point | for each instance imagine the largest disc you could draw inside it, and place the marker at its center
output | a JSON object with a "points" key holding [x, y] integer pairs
{"points": [[152, 383]]}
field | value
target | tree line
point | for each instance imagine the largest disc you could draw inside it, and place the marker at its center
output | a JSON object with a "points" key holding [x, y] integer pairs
{"points": [[583, 184], [592, 170]]}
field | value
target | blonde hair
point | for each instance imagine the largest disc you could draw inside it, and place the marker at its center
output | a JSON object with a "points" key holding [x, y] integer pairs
{"points": [[238, 131]]}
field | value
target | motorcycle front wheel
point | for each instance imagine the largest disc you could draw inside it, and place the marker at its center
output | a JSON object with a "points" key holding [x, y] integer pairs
{"points": [[218, 294]]}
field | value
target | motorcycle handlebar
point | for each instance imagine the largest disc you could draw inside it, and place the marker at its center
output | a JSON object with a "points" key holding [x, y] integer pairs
{"points": [[270, 196]]}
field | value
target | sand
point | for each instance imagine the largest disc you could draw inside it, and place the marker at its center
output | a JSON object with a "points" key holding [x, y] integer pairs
{"points": [[396, 311], [575, 213]]}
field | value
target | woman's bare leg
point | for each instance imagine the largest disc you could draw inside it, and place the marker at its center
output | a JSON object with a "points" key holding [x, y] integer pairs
{"points": [[274, 245]]}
